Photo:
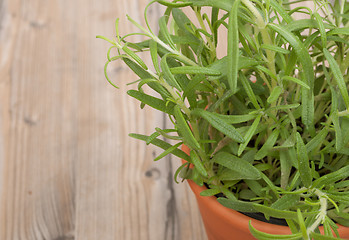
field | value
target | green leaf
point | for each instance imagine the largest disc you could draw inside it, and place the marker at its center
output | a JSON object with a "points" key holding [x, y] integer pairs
{"points": [[142, 82], [219, 124], [237, 205], [182, 79], [345, 126], [184, 130], [266, 236], [308, 72], [179, 170], [255, 186], [248, 89], [215, 26], [341, 197], [183, 22], [295, 182], [234, 119], [137, 69], [233, 47], [320, 22], [312, 39], [300, 24], [318, 236], [307, 108], [342, 184], [152, 137], [210, 192], [222, 4], [303, 162], [270, 184], [280, 9], [135, 57], [228, 193], [339, 31], [191, 88], [267, 71], [247, 194], [194, 70], [153, 102], [292, 60], [220, 100], [289, 142], [244, 168], [338, 130], [230, 175], [292, 225], [195, 176], [197, 163], [164, 133], [244, 63], [162, 144], [337, 74], [275, 212], [337, 39], [153, 47], [317, 141], [168, 151], [274, 95], [332, 177], [249, 135], [275, 48], [286, 202], [106, 39], [268, 145], [286, 166], [300, 50], [296, 80], [183, 39], [164, 31], [173, 4], [283, 107], [170, 79], [302, 225], [145, 75], [340, 217], [332, 226]]}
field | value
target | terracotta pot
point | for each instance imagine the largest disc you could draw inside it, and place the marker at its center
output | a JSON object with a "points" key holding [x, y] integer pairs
{"points": [[223, 223]]}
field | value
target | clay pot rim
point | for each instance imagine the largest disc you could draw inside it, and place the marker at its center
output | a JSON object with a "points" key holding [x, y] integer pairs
{"points": [[231, 215], [242, 220]]}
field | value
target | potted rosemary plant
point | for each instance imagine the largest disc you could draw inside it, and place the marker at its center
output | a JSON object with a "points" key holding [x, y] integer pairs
{"points": [[265, 127]]}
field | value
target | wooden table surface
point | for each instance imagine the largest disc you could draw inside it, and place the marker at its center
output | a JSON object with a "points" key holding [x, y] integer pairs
{"points": [[68, 170]]}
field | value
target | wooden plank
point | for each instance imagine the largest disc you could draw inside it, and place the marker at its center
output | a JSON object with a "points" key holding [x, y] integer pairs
{"points": [[68, 169]]}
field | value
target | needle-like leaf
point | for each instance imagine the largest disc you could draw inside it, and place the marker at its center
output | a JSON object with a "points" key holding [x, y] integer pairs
{"points": [[233, 47]]}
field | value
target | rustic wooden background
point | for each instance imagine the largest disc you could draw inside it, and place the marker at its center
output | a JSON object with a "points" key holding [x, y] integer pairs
{"points": [[68, 170]]}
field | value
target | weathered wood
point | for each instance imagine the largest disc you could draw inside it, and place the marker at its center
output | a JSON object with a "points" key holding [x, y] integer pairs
{"points": [[68, 169]]}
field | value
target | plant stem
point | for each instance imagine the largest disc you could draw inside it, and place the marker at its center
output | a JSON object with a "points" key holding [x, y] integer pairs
{"points": [[270, 54], [175, 96], [158, 40], [265, 36], [341, 11], [323, 211], [202, 25]]}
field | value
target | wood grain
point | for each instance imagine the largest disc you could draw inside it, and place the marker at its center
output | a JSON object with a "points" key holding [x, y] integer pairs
{"points": [[68, 169]]}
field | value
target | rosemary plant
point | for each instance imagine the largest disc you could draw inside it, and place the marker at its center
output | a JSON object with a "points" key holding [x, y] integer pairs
{"points": [[267, 125]]}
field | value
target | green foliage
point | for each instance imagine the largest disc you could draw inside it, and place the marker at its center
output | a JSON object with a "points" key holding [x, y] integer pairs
{"points": [[267, 125]]}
